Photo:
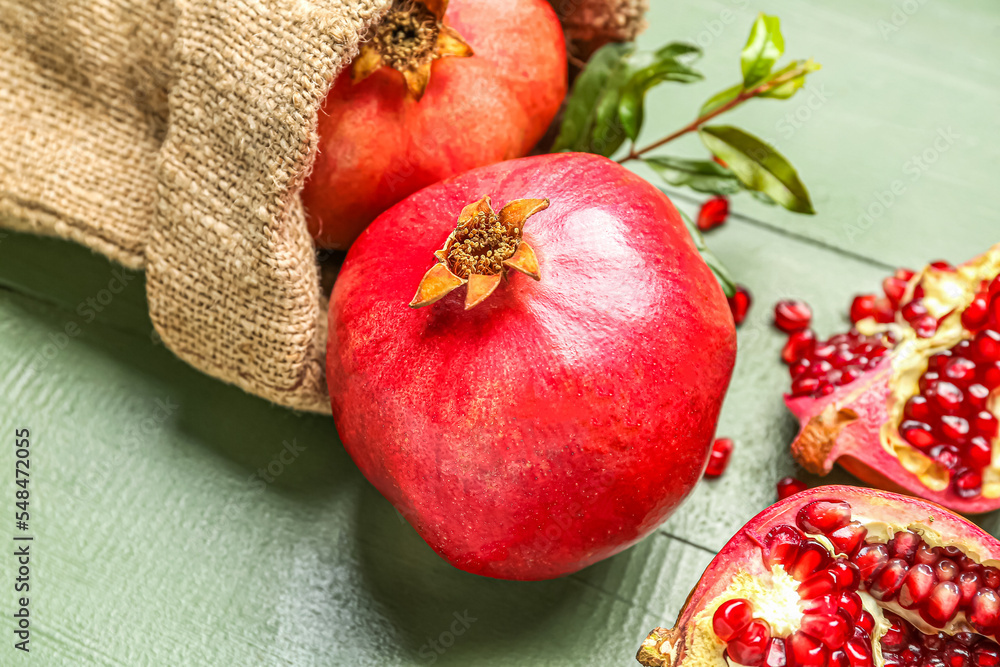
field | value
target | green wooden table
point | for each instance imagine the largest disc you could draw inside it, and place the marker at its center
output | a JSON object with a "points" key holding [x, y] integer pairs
{"points": [[171, 529]]}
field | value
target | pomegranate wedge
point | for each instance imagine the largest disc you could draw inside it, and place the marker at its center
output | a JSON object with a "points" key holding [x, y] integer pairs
{"points": [[842, 577]]}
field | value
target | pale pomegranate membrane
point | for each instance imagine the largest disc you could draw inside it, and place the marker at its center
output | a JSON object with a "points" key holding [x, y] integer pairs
{"points": [[930, 350], [848, 591]]}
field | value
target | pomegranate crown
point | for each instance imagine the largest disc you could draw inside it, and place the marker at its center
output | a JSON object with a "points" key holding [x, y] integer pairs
{"points": [[411, 35], [480, 251]]}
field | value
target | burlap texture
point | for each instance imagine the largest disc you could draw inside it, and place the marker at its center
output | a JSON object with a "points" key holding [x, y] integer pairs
{"points": [[175, 136]]}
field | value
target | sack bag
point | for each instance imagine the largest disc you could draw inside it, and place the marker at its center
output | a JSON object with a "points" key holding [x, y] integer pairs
{"points": [[175, 136]]}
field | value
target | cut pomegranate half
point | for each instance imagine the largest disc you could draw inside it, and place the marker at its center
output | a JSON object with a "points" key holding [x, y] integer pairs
{"points": [[908, 399], [842, 577]]}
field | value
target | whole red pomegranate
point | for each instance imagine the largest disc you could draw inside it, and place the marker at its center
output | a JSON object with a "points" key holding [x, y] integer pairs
{"points": [[908, 399], [438, 89], [550, 393], [843, 577]]}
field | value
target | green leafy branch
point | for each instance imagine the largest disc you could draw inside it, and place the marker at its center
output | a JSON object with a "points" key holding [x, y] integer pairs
{"points": [[606, 108]]}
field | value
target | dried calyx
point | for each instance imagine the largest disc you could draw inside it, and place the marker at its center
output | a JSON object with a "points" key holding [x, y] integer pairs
{"points": [[479, 252], [410, 36], [846, 591]]}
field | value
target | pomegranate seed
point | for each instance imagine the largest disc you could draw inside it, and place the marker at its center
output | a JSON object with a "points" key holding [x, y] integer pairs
{"points": [[749, 647], [914, 310], [866, 621], [946, 570], [928, 380], [849, 538], [863, 306], [917, 586], [804, 385], [979, 452], [969, 582], [731, 618], [942, 265], [847, 574], [925, 327], [917, 409], [989, 375], [894, 289], [895, 636], [831, 630], [859, 653], [885, 312], [977, 395], [954, 428], [987, 345], [739, 303], [991, 576], [986, 657], [791, 315], [838, 659], [781, 546], [994, 312], [824, 516], [811, 558], [925, 555], [956, 656], [942, 603], [824, 605], [886, 582], [719, 458], [975, 315], [799, 344], [806, 651], [789, 486], [820, 584], [917, 433], [960, 370], [850, 602], [713, 213], [870, 559], [945, 397], [968, 483], [946, 455], [904, 544], [775, 655], [985, 424]]}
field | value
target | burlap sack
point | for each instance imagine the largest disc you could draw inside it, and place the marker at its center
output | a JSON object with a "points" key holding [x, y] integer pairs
{"points": [[175, 136]]}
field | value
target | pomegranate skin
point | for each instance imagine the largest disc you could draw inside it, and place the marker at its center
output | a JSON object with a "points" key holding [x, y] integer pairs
{"points": [[559, 421], [378, 145], [742, 553]]}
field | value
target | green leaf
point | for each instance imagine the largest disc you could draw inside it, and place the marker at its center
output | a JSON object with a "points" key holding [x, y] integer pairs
{"points": [[599, 81], [699, 175], [630, 108], [758, 166], [762, 50], [718, 268], [720, 99], [678, 49], [790, 87]]}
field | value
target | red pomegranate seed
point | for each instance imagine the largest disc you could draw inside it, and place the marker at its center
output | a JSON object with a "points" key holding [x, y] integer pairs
{"points": [[917, 409], [925, 554], [859, 653], [820, 584], [850, 602], [847, 574], [960, 370], [792, 315], [975, 314], [781, 546], [942, 265], [942, 603], [866, 621], [917, 434], [977, 396], [713, 213], [870, 559], [811, 558], [985, 424], [823, 516], [957, 656], [838, 659], [849, 538], [719, 458], [979, 452], [986, 657], [991, 576], [989, 375], [806, 651], [749, 647], [731, 618], [739, 303], [994, 312], [885, 312], [831, 630], [799, 344], [904, 544], [968, 483], [886, 582], [894, 289], [987, 345], [946, 570], [954, 428], [824, 605], [775, 655], [969, 582], [789, 486], [914, 310], [945, 398], [917, 586], [895, 636], [925, 327], [864, 306]]}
